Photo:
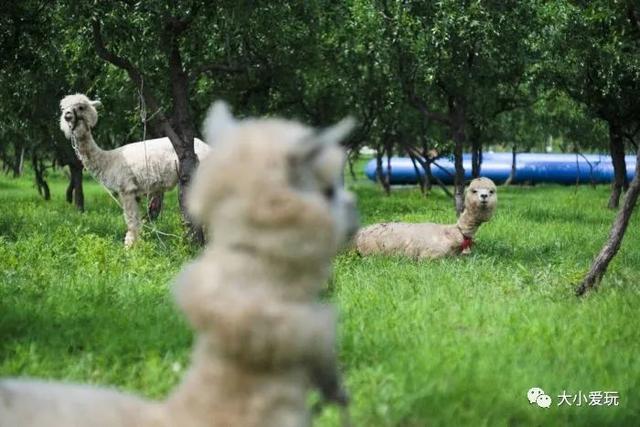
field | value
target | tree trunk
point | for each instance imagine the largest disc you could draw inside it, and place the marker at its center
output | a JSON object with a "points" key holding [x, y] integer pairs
{"points": [[387, 177], [458, 134], [458, 180], [476, 154], [18, 163], [611, 246], [69, 192], [428, 175], [419, 176], [616, 149], [41, 182], [379, 172], [75, 192], [182, 122], [592, 180], [180, 129], [21, 162], [512, 174], [351, 162], [426, 165]]}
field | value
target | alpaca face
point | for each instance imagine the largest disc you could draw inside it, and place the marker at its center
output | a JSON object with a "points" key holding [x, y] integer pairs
{"points": [[315, 169], [273, 186], [78, 115], [481, 197]]}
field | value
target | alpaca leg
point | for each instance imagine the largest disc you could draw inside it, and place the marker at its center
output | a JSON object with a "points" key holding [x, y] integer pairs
{"points": [[131, 217], [155, 205]]}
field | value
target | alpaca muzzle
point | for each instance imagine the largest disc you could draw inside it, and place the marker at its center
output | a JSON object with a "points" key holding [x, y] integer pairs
{"points": [[72, 119]]}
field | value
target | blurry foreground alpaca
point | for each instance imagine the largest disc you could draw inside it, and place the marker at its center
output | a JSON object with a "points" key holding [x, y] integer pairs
{"points": [[428, 240], [263, 341]]}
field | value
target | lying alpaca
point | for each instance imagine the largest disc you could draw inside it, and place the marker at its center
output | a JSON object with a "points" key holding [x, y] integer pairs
{"points": [[433, 240], [263, 340], [146, 168]]}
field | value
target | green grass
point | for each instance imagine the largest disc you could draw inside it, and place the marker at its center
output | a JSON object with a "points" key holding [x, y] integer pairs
{"points": [[452, 342]]}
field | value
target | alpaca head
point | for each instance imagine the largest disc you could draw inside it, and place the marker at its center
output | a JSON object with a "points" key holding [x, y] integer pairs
{"points": [[77, 114], [481, 198], [273, 186]]}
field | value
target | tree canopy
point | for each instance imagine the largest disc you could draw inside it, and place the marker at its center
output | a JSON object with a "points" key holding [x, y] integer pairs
{"points": [[421, 77]]}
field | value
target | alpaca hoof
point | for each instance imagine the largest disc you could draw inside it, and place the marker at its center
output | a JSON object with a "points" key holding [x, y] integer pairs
{"points": [[154, 208], [129, 240]]}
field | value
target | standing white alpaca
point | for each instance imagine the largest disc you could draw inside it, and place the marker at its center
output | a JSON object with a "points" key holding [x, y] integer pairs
{"points": [[428, 240], [263, 337], [145, 168]]}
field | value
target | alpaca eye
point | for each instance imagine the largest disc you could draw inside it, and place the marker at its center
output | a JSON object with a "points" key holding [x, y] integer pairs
{"points": [[81, 107], [491, 192], [474, 191], [329, 193]]}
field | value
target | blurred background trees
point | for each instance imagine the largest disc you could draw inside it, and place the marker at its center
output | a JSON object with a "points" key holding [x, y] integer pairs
{"points": [[423, 79], [593, 56]]}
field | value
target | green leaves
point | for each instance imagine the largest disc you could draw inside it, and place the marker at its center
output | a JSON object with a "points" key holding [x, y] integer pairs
{"points": [[594, 54]]}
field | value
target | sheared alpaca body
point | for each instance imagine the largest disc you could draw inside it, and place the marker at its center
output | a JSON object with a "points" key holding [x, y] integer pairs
{"points": [[145, 167], [263, 338], [429, 240], [140, 169]]}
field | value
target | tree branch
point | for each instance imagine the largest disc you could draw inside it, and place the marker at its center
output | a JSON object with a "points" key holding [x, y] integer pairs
{"points": [[135, 75], [217, 67], [425, 163], [418, 103], [415, 100], [634, 16], [180, 25]]}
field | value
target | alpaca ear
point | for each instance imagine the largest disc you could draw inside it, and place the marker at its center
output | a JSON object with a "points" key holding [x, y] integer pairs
{"points": [[338, 132], [304, 152], [328, 165], [326, 161], [96, 104], [219, 120], [307, 151]]}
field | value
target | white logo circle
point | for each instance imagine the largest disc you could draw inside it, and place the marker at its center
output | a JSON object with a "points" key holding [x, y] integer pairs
{"points": [[533, 394], [544, 401]]}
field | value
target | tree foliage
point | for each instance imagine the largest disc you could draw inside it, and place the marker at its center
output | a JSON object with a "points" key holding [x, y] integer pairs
{"points": [[421, 77]]}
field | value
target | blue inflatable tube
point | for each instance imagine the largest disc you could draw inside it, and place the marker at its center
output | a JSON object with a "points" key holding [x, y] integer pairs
{"points": [[530, 168]]}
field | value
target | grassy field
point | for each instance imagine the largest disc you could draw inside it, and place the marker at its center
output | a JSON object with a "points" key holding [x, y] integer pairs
{"points": [[453, 343]]}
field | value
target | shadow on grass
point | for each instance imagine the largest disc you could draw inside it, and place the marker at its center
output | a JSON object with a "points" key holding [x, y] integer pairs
{"points": [[545, 216], [129, 334], [500, 251], [10, 227], [9, 185]]}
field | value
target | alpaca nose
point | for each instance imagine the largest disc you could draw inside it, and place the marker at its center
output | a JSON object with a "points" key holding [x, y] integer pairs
{"points": [[484, 196], [68, 116]]}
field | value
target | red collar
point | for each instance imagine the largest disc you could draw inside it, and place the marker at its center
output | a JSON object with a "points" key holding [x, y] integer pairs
{"points": [[467, 242]]}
